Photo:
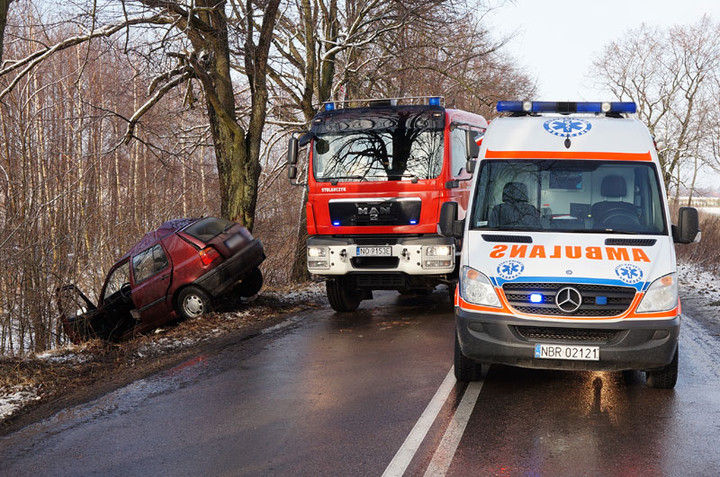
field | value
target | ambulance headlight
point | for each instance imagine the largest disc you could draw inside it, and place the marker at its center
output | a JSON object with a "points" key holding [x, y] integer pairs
{"points": [[662, 295], [476, 288]]}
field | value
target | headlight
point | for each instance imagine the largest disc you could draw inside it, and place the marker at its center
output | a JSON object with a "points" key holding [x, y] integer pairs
{"points": [[476, 288], [438, 256], [662, 295], [438, 251], [317, 257]]}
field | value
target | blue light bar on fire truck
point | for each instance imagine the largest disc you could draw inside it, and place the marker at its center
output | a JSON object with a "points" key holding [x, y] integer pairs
{"points": [[627, 107], [431, 101]]}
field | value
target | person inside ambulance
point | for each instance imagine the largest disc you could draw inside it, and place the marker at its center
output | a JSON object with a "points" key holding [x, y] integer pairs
{"points": [[515, 210], [613, 212]]}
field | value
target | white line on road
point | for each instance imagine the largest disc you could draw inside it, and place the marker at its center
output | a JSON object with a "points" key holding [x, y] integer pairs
{"points": [[445, 452], [407, 451]]}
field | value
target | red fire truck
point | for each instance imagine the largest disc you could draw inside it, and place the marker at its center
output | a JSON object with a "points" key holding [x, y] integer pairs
{"points": [[378, 175]]}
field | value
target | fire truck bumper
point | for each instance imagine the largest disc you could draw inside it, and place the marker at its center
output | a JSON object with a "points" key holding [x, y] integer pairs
{"points": [[417, 255]]}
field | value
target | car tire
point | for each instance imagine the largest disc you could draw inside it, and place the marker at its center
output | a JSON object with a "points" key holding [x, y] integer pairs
{"points": [[192, 302], [251, 284], [342, 298], [466, 369], [665, 377]]}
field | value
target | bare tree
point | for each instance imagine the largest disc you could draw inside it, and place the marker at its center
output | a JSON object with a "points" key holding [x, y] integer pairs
{"points": [[669, 73], [196, 34]]}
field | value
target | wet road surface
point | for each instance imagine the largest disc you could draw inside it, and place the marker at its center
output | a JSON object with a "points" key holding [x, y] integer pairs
{"points": [[369, 393]]}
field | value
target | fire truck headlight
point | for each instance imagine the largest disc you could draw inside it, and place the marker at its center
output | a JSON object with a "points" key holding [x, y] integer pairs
{"points": [[317, 258], [438, 256], [661, 295], [476, 288]]}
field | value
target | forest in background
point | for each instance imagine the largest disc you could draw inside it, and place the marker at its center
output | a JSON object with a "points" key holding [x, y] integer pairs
{"points": [[82, 179], [76, 193]]}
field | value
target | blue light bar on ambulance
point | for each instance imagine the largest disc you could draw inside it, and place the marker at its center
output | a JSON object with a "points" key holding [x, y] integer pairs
{"points": [[434, 101], [329, 106], [565, 107]]}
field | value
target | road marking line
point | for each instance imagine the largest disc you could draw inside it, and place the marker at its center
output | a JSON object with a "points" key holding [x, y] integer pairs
{"points": [[441, 460], [412, 442]]}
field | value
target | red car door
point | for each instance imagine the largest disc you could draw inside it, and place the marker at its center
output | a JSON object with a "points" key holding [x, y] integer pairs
{"points": [[152, 275]]}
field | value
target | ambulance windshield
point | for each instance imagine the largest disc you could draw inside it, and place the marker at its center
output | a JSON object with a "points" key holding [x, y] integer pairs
{"points": [[384, 145], [568, 195]]}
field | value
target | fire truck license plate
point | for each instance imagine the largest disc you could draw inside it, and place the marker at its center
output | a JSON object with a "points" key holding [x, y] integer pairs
{"points": [[374, 251], [580, 353]]}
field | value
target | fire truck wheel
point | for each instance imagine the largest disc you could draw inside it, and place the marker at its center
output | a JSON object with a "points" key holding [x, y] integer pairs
{"points": [[665, 377], [465, 368], [341, 296]]}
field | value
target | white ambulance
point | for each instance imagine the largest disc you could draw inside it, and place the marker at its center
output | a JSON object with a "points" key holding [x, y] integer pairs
{"points": [[567, 257]]}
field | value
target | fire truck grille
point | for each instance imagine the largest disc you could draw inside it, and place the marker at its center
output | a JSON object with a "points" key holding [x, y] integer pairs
{"points": [[375, 262]]}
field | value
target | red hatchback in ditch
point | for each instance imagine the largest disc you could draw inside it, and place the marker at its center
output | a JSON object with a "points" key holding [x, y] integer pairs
{"points": [[174, 271]]}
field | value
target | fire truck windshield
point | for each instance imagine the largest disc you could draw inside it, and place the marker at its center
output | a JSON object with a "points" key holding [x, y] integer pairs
{"points": [[385, 145]]}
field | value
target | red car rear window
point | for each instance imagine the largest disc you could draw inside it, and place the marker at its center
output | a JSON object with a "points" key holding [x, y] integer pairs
{"points": [[208, 228]]}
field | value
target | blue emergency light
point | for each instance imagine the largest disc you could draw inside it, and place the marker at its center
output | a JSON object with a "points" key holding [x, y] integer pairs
{"points": [[617, 107], [329, 106], [336, 223], [434, 101], [536, 298]]}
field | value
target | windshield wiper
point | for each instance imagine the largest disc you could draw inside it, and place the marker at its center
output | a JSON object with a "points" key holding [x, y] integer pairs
{"points": [[335, 179]]}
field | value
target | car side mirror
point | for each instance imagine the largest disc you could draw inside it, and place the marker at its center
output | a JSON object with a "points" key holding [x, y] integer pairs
{"points": [[688, 229], [449, 225]]}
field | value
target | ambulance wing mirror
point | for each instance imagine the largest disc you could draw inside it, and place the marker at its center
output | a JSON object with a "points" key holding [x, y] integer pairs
{"points": [[449, 225], [688, 229]]}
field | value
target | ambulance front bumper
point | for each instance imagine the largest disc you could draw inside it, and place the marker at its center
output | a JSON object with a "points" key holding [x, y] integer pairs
{"points": [[502, 339], [418, 255]]}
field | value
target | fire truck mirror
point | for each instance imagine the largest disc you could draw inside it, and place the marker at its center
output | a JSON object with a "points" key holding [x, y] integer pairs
{"points": [[470, 166], [292, 172], [292, 152], [322, 146], [448, 219], [472, 149]]}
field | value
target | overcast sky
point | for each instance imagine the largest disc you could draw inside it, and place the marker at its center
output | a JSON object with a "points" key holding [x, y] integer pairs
{"points": [[557, 40]]}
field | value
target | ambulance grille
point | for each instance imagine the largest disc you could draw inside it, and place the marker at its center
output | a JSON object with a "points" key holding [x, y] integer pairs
{"points": [[616, 299], [535, 333]]}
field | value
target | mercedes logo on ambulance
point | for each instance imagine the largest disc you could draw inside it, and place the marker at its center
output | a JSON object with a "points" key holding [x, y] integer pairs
{"points": [[568, 299]]}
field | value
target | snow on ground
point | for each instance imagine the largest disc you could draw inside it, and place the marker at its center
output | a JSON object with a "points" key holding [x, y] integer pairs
{"points": [[710, 210], [13, 398]]}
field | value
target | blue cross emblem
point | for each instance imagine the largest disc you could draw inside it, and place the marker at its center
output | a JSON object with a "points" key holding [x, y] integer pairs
{"points": [[629, 273], [567, 127], [510, 269]]}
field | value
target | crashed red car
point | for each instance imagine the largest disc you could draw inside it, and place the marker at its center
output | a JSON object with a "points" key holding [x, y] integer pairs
{"points": [[174, 271]]}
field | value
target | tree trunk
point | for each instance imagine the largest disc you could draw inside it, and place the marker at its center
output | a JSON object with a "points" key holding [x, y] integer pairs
{"points": [[4, 7]]}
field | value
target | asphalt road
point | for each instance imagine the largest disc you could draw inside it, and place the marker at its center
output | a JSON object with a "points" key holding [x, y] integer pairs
{"points": [[371, 393]]}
